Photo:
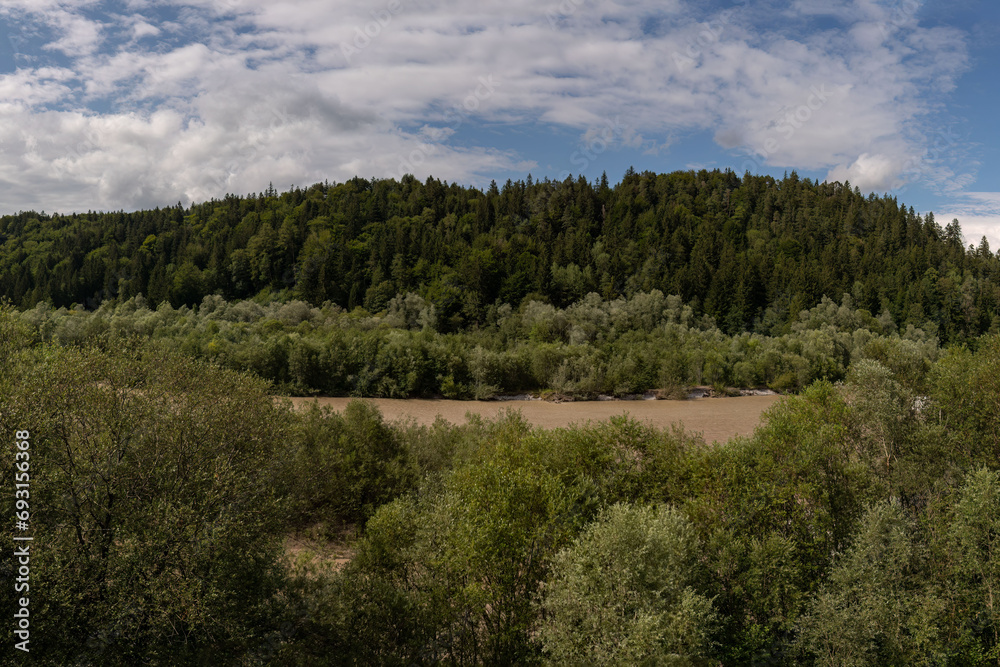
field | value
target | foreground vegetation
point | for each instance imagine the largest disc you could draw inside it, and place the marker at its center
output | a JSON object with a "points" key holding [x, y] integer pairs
{"points": [[858, 525]]}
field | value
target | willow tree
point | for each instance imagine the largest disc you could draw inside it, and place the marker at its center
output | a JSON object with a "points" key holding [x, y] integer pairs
{"points": [[156, 530]]}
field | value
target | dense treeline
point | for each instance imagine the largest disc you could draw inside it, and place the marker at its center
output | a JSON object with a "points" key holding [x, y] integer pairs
{"points": [[592, 347], [858, 525], [750, 252]]}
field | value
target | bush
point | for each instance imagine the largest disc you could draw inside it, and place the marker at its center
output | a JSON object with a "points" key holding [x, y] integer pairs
{"points": [[875, 610], [152, 491], [343, 467], [965, 389], [622, 594]]}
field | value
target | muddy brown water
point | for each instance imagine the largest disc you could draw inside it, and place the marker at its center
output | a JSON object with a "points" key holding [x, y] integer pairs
{"points": [[716, 419]]}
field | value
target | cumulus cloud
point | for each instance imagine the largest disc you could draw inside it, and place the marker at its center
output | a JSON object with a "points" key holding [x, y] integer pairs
{"points": [[76, 35], [142, 29], [195, 98], [871, 172]]}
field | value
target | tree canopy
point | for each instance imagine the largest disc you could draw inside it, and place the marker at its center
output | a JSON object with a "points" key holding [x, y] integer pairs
{"points": [[750, 252]]}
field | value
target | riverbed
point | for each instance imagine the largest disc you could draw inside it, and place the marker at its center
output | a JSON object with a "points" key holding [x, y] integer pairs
{"points": [[716, 419]]}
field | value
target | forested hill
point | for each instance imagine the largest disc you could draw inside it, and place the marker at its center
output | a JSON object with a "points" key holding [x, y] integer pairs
{"points": [[751, 252]]}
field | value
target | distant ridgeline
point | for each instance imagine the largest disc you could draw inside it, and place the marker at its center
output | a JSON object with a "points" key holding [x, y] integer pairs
{"points": [[750, 252]]}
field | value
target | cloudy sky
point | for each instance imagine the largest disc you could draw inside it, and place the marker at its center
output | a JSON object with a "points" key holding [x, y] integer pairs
{"points": [[130, 104]]}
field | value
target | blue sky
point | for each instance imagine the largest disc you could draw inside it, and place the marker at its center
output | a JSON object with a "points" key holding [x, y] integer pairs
{"points": [[132, 104]]}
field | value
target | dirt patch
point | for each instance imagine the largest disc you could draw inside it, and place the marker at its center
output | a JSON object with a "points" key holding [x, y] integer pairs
{"points": [[311, 556], [717, 419]]}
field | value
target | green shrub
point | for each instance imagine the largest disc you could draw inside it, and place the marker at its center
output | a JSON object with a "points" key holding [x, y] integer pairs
{"points": [[622, 593]]}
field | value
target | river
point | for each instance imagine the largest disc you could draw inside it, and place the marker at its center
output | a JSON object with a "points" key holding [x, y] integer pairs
{"points": [[717, 419]]}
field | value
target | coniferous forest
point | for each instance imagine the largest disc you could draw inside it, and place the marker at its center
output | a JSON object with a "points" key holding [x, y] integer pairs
{"points": [[750, 253], [140, 355]]}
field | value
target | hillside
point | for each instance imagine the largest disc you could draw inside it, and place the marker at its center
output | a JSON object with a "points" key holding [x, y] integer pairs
{"points": [[749, 252]]}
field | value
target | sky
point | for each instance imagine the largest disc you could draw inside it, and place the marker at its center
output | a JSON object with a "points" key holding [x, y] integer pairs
{"points": [[129, 104]]}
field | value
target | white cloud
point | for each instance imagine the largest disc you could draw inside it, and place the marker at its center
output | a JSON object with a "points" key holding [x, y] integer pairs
{"points": [[142, 29], [228, 95], [77, 36], [43, 86], [870, 172]]}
